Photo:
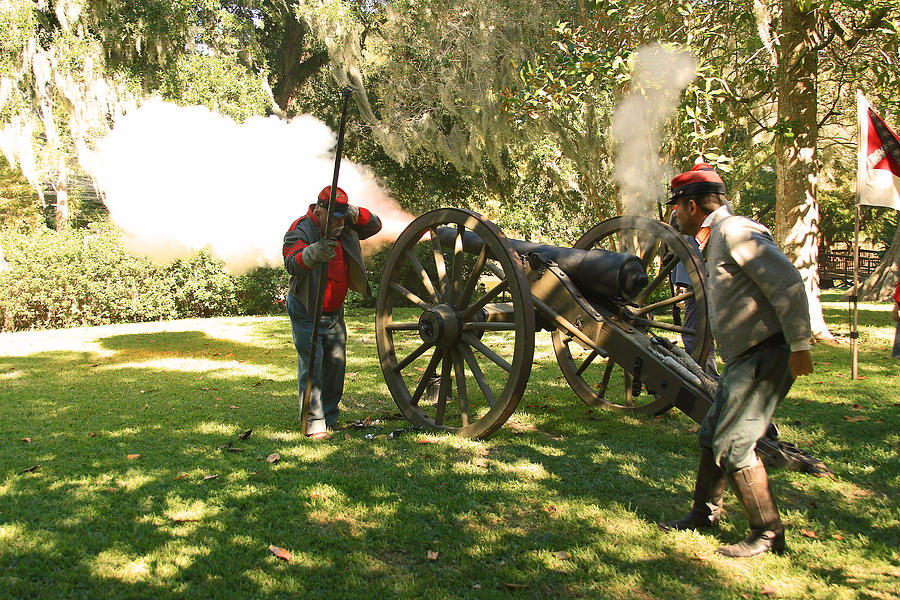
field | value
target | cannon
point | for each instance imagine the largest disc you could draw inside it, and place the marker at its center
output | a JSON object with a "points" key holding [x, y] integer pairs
{"points": [[459, 305]]}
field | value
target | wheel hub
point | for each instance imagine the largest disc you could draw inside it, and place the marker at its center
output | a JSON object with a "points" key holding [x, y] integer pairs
{"points": [[441, 326]]}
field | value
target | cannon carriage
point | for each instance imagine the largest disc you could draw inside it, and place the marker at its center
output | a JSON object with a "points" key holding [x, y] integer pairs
{"points": [[459, 305]]}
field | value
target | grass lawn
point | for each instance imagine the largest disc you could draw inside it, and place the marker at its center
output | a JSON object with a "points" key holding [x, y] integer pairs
{"points": [[122, 475]]}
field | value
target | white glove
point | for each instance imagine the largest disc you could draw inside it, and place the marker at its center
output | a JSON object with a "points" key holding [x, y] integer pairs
{"points": [[320, 252]]}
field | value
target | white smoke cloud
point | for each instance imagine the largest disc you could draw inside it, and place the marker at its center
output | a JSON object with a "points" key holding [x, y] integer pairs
{"points": [[181, 179], [660, 75]]}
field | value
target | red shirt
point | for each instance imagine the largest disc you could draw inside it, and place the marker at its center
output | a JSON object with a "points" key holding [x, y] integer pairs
{"points": [[338, 282], [897, 293]]}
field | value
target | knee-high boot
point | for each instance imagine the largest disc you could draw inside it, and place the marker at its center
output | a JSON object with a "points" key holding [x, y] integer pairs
{"points": [[751, 485], [706, 509]]}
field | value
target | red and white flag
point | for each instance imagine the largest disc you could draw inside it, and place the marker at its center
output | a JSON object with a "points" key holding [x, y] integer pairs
{"points": [[878, 158]]}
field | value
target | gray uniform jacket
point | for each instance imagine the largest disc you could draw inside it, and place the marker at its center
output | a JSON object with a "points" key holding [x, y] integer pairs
{"points": [[754, 289], [303, 232]]}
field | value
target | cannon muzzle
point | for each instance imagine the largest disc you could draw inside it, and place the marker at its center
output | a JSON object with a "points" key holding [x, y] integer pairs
{"points": [[598, 274]]}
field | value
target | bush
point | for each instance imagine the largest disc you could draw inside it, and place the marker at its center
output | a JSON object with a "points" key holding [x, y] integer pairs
{"points": [[201, 288], [262, 292], [84, 277]]}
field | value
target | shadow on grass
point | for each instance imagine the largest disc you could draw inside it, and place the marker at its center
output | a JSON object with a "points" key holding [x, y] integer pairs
{"points": [[359, 516]]}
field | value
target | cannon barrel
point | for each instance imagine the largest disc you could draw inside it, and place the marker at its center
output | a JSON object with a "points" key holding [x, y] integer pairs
{"points": [[598, 274]]}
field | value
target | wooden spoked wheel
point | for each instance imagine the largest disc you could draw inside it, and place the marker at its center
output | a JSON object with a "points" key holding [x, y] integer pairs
{"points": [[451, 359], [653, 311]]}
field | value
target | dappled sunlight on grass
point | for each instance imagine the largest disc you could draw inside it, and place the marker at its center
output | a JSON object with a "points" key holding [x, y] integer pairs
{"points": [[214, 428], [287, 436], [526, 469], [127, 432], [185, 509], [178, 557], [193, 365], [114, 564], [311, 452], [133, 480], [563, 499]]}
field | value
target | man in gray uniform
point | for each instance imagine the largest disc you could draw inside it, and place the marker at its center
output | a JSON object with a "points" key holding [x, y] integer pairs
{"points": [[760, 319]]}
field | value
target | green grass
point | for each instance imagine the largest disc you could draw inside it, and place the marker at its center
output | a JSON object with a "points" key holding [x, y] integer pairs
{"points": [[561, 502]]}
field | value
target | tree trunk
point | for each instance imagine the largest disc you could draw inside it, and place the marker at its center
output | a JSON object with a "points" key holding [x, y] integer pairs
{"points": [[880, 285], [61, 187], [295, 62], [796, 208]]}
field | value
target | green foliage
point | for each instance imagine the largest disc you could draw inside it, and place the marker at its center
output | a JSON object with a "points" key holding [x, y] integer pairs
{"points": [[201, 288], [19, 204], [146, 37], [262, 291], [566, 71], [219, 82], [757, 198], [80, 277]]}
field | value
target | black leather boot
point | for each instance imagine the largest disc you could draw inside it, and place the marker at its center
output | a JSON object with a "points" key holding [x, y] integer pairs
{"points": [[766, 530], [706, 509]]}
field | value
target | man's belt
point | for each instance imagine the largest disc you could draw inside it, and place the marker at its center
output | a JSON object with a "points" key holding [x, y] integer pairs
{"points": [[772, 341]]}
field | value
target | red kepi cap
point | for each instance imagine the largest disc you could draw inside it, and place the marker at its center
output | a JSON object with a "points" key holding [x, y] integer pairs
{"points": [[341, 202], [702, 179]]}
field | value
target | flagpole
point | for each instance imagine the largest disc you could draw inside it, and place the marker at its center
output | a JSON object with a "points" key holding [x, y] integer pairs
{"points": [[854, 298]]}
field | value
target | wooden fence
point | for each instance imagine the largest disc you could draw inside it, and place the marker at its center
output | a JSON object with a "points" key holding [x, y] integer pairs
{"points": [[836, 266]]}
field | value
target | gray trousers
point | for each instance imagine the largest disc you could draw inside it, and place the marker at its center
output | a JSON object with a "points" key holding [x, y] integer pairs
{"points": [[751, 387], [330, 366]]}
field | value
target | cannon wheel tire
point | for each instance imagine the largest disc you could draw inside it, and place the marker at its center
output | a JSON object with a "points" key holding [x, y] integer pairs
{"points": [[447, 366], [660, 247]]}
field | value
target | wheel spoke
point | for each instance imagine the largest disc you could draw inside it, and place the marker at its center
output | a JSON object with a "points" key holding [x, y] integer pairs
{"points": [[493, 356], [429, 373], [413, 356], [423, 275], [488, 326], [663, 303], [604, 382], [478, 375], [410, 296], [457, 274], [460, 370], [443, 391], [469, 286], [439, 264], [669, 263], [587, 362], [411, 326], [663, 325], [482, 302], [649, 253], [496, 269], [629, 392]]}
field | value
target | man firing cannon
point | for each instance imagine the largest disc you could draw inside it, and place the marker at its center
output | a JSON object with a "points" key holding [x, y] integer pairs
{"points": [[308, 249]]}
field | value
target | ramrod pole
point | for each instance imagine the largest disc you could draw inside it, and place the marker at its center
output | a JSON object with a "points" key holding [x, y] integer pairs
{"points": [[323, 273]]}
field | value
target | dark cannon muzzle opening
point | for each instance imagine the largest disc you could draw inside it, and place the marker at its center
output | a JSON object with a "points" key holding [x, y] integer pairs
{"points": [[598, 274]]}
